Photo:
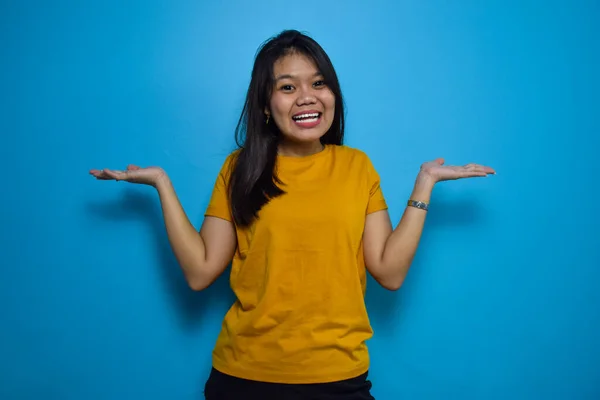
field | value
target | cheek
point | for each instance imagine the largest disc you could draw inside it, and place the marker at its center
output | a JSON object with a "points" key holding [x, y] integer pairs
{"points": [[329, 102], [280, 119], [279, 113], [279, 105]]}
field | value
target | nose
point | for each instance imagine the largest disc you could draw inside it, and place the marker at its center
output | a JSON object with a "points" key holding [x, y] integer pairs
{"points": [[306, 96]]}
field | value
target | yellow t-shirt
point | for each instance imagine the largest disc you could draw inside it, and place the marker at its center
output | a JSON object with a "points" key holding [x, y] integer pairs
{"points": [[299, 273]]}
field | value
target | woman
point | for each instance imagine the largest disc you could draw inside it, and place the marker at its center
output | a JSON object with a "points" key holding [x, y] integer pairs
{"points": [[302, 218]]}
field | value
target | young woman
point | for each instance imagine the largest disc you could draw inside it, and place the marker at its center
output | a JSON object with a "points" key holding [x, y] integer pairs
{"points": [[302, 218]]}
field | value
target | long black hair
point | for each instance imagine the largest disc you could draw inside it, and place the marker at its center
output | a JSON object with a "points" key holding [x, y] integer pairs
{"points": [[253, 179]]}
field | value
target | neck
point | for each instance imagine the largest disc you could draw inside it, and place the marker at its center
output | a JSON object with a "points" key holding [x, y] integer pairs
{"points": [[300, 149]]}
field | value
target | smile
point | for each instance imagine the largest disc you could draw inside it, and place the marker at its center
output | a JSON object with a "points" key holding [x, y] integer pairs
{"points": [[307, 119], [306, 116]]}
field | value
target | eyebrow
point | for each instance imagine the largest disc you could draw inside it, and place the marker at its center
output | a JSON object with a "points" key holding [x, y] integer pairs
{"points": [[288, 76]]}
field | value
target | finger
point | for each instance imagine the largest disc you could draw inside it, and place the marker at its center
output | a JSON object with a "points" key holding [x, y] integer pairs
{"points": [[480, 168], [132, 167], [484, 169], [474, 174], [440, 161], [96, 172], [99, 174], [115, 174], [469, 171]]}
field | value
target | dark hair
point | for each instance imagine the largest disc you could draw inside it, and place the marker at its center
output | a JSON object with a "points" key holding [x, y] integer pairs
{"points": [[253, 179]]}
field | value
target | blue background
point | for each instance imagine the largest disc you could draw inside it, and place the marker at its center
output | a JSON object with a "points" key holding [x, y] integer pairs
{"points": [[502, 300]]}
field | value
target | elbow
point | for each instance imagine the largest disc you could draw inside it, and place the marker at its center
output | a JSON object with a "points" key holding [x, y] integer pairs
{"points": [[390, 278], [201, 276], [390, 283], [388, 273], [393, 285], [395, 280], [197, 275], [392, 288], [196, 285], [197, 282]]}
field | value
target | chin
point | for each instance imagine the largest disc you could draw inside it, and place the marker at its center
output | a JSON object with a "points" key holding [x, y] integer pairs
{"points": [[304, 137]]}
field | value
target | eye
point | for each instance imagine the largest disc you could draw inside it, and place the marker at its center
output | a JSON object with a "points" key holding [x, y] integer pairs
{"points": [[286, 88], [319, 83]]}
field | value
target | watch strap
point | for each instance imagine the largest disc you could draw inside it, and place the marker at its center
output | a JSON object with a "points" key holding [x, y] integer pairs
{"points": [[418, 204]]}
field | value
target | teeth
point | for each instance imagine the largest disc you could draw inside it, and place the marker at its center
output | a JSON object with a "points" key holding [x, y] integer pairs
{"points": [[306, 116]]}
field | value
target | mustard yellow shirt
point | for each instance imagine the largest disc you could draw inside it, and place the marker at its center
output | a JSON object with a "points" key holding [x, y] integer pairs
{"points": [[299, 273]]}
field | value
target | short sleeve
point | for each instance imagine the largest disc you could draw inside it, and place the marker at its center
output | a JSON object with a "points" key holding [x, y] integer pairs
{"points": [[219, 205], [376, 199]]}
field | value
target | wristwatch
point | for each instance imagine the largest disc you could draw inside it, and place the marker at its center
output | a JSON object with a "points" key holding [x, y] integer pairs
{"points": [[418, 204]]}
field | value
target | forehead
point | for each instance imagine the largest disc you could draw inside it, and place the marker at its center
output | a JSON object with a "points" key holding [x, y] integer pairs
{"points": [[295, 64]]}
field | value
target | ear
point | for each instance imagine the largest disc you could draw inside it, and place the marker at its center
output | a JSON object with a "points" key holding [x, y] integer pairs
{"points": [[267, 112]]}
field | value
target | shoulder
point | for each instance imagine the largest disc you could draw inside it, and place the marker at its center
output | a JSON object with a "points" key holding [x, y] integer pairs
{"points": [[356, 163], [228, 164], [351, 154], [232, 156], [347, 151]]}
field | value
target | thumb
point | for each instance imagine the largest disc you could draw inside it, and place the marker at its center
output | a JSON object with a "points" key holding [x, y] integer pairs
{"points": [[132, 167], [440, 161]]}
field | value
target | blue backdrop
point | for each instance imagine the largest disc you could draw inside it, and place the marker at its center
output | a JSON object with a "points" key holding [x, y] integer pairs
{"points": [[501, 301]]}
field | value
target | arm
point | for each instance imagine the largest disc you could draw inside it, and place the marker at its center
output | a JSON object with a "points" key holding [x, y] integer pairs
{"points": [[202, 256], [389, 253]]}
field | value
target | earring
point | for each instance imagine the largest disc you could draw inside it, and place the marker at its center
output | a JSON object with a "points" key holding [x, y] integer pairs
{"points": [[268, 116]]}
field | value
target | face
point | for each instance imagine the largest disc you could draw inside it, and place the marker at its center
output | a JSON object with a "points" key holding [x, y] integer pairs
{"points": [[301, 104]]}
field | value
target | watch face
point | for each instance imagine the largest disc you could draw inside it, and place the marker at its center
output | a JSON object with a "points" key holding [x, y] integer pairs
{"points": [[418, 204]]}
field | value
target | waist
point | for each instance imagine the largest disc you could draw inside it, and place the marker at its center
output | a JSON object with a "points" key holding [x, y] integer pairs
{"points": [[293, 345]]}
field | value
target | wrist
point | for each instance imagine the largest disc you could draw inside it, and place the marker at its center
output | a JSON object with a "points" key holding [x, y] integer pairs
{"points": [[162, 181], [425, 181], [423, 187]]}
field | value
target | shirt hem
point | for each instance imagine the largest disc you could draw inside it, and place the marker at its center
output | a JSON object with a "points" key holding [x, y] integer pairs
{"points": [[211, 213], [378, 207], [279, 377]]}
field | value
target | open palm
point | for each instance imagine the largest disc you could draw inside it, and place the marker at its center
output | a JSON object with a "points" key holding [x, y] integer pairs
{"points": [[440, 172], [133, 174]]}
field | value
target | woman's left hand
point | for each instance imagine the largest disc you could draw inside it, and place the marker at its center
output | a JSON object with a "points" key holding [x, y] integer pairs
{"points": [[437, 171]]}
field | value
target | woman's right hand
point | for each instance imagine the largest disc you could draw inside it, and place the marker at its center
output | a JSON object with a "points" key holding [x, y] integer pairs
{"points": [[134, 174]]}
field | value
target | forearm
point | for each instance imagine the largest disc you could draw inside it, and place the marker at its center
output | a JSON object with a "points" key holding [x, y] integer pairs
{"points": [[401, 245], [186, 242]]}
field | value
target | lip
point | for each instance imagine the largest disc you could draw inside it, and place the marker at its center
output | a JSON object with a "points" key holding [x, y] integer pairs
{"points": [[304, 124], [307, 112]]}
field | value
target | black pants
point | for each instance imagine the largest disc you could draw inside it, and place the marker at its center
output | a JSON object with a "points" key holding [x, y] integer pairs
{"points": [[225, 387]]}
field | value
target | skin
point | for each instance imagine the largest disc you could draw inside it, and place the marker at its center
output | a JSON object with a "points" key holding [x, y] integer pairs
{"points": [[388, 251], [299, 87]]}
